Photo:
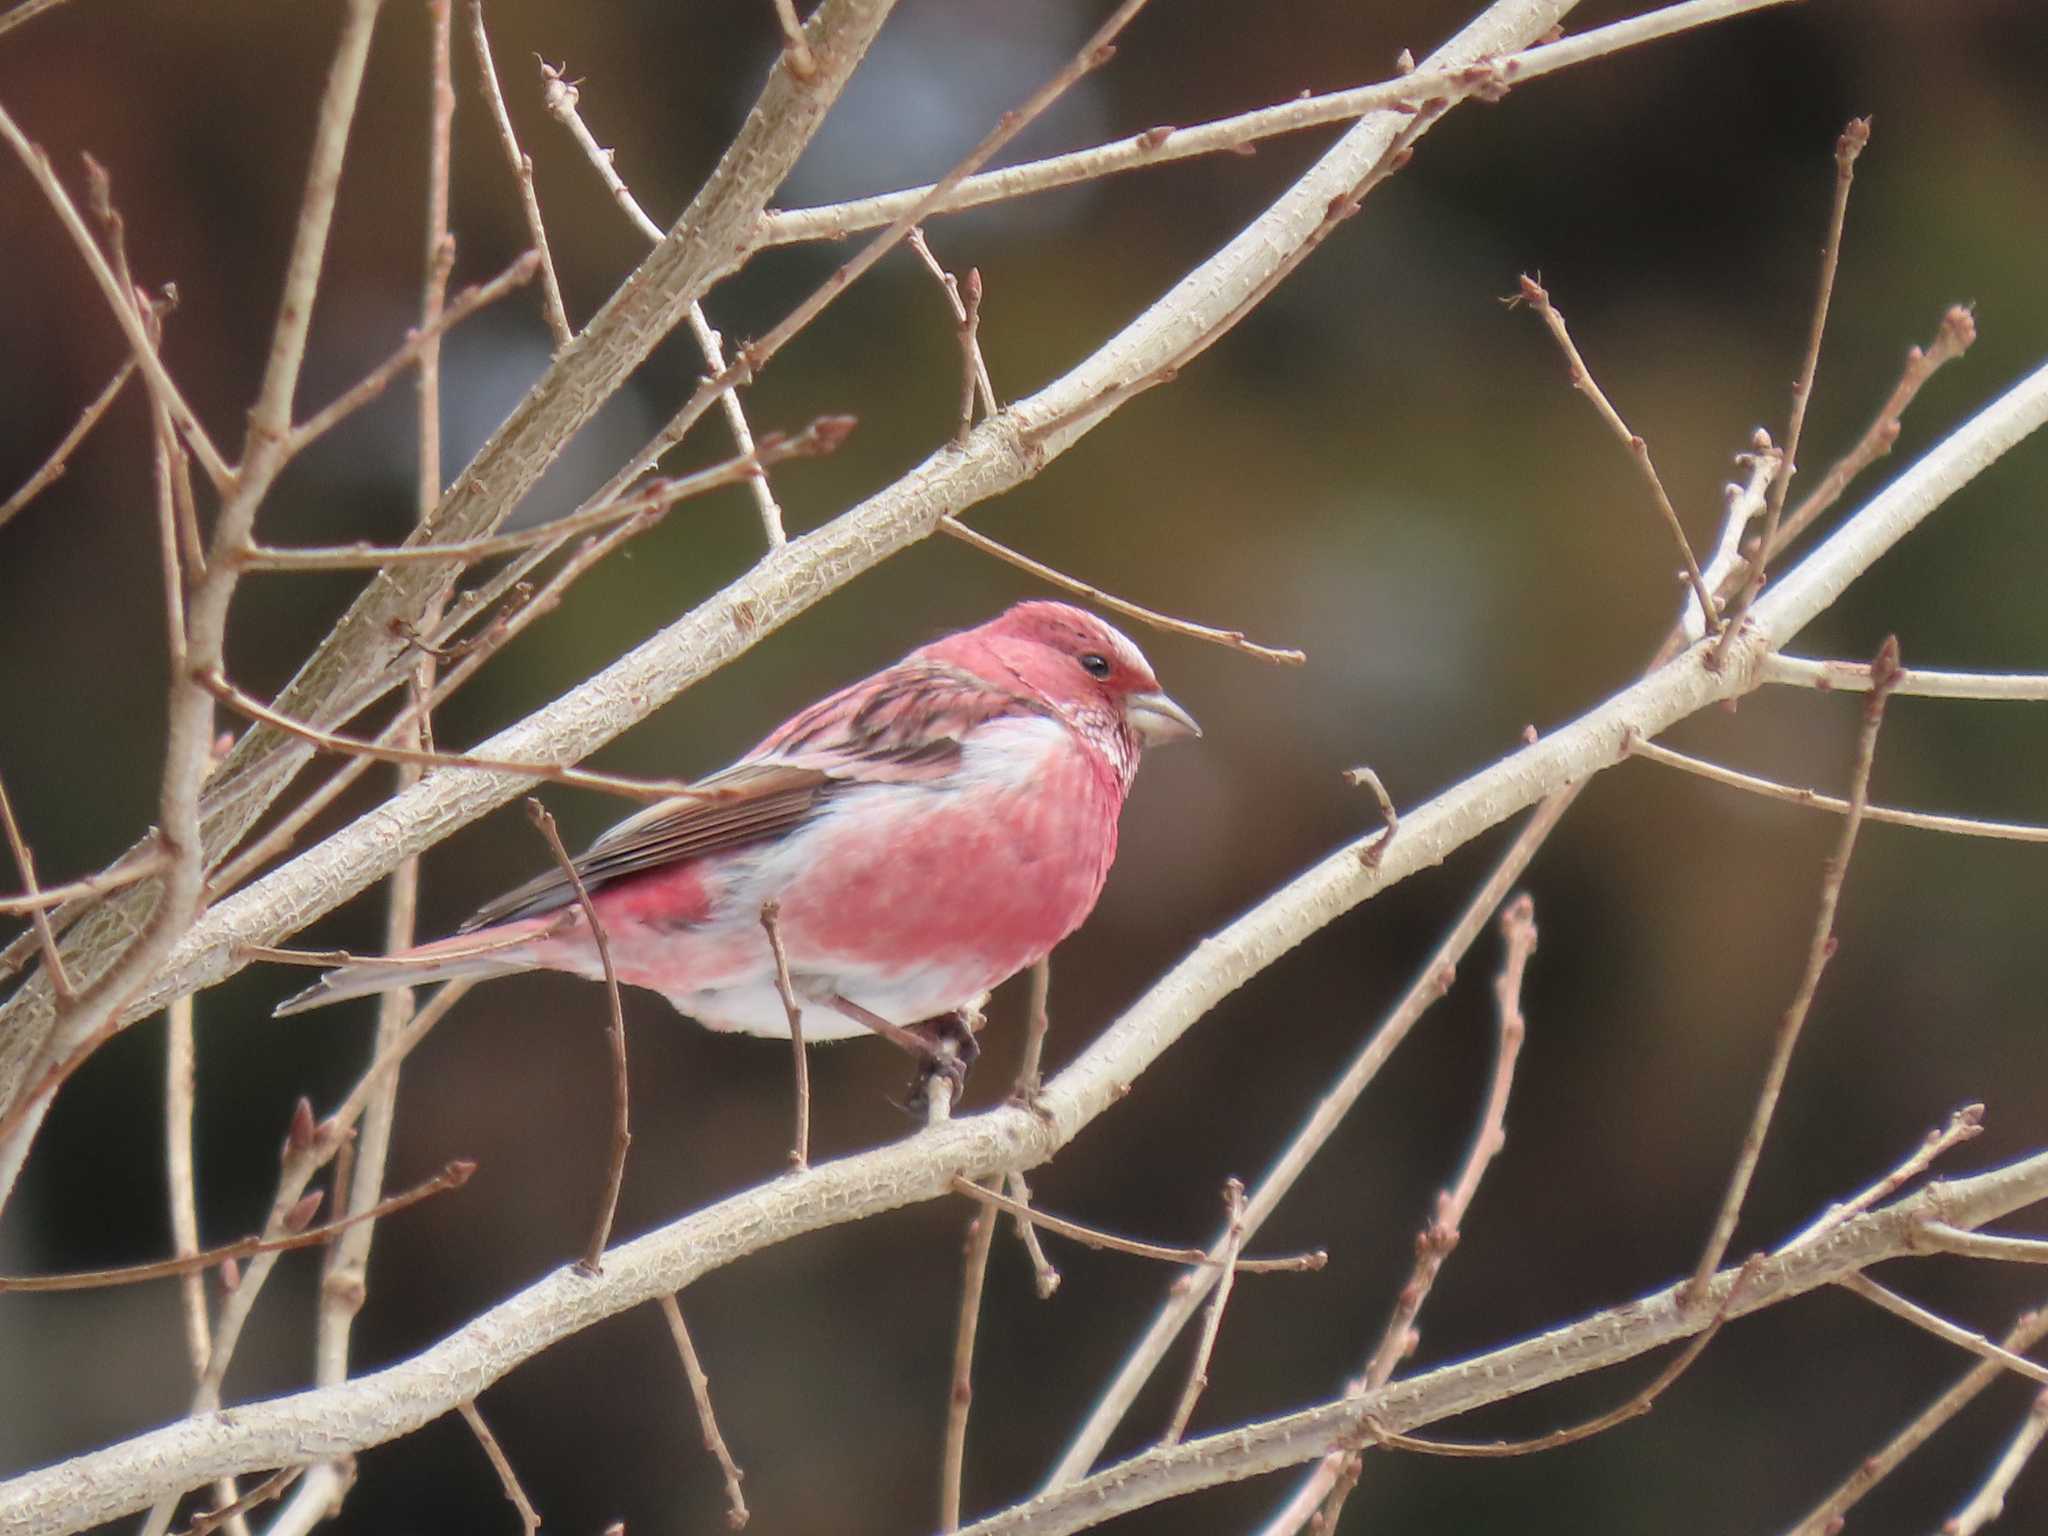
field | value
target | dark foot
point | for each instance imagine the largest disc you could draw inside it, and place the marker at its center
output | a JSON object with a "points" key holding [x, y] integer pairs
{"points": [[949, 1049]]}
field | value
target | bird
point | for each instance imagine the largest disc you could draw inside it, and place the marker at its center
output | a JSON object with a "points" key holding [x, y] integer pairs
{"points": [[917, 838]]}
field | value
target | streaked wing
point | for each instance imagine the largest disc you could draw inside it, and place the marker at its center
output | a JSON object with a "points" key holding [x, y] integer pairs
{"points": [[753, 801], [905, 725], [902, 726]]}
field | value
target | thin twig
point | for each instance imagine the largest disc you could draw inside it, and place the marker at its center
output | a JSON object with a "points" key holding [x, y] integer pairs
{"points": [[1365, 778], [453, 1176], [1986, 1245], [1819, 950], [800, 1146], [1952, 339], [821, 437], [1813, 799], [1855, 677], [231, 1514], [1094, 1237], [796, 49], [1582, 380], [1962, 1126], [1988, 1502], [178, 1093], [522, 174], [507, 1478], [60, 456], [981, 1233], [90, 888], [1094, 53], [349, 746], [1847, 147], [1942, 1328], [421, 342], [1334, 1478], [622, 1135], [1230, 639], [1826, 1516], [1045, 1278], [119, 299], [39, 918], [965, 301], [1212, 1320], [1518, 930], [561, 97], [707, 1421], [1163, 145]]}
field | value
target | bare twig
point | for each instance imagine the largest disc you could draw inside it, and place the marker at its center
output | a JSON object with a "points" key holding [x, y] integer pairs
{"points": [[420, 344], [1987, 1245], [981, 1233], [1097, 51], [92, 887], [965, 302], [38, 916], [800, 1146], [1212, 1320], [1813, 799], [100, 1485], [120, 300], [821, 437], [1988, 1502], [1518, 930], [1365, 778], [1045, 1278], [1962, 1126], [60, 456], [1582, 380], [707, 1421], [453, 1176], [1855, 677], [349, 746], [796, 50], [1826, 1516], [622, 1135], [1942, 1328], [522, 174], [1231, 639], [561, 98], [1163, 145], [1334, 1478], [1094, 1237], [1847, 147], [507, 1478], [178, 1092], [1819, 950], [1952, 339], [231, 1513]]}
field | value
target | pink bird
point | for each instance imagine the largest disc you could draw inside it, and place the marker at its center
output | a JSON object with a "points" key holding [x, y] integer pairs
{"points": [[925, 834]]}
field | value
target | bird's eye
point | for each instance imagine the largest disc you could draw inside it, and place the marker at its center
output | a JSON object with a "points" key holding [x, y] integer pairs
{"points": [[1095, 664]]}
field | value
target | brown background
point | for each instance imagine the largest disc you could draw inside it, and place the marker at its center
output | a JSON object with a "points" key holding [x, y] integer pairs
{"points": [[1382, 466]]}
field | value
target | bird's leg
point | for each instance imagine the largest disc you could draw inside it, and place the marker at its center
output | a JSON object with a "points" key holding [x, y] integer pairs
{"points": [[943, 1047]]}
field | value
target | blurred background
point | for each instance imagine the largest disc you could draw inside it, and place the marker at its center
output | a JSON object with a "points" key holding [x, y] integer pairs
{"points": [[1383, 465]]}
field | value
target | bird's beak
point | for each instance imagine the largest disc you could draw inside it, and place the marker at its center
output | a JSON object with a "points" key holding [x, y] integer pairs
{"points": [[1157, 719]]}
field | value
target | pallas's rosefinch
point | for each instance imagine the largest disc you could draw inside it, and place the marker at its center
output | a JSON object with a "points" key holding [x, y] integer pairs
{"points": [[923, 835]]}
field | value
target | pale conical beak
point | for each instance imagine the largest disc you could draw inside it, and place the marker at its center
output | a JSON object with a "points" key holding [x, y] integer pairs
{"points": [[1157, 719]]}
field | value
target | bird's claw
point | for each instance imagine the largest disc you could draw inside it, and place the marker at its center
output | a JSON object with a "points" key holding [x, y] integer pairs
{"points": [[952, 1050]]}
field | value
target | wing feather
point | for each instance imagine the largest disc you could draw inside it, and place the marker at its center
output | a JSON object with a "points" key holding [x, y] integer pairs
{"points": [[903, 726]]}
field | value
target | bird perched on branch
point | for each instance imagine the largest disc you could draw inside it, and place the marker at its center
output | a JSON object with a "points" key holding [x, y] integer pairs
{"points": [[917, 837]]}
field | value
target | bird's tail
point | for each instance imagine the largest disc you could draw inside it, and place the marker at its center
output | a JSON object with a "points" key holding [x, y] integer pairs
{"points": [[466, 954]]}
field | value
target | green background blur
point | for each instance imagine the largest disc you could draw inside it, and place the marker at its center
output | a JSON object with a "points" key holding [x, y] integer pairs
{"points": [[1382, 465]]}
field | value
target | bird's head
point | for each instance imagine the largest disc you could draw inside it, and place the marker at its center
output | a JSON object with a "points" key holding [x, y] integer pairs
{"points": [[1088, 670]]}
